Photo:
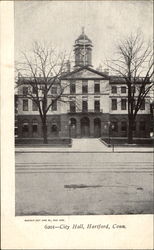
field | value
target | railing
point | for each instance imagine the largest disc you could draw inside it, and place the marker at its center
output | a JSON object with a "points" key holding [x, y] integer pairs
{"points": [[85, 111]]}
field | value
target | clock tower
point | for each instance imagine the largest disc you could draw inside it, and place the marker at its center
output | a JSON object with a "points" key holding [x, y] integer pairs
{"points": [[83, 51]]}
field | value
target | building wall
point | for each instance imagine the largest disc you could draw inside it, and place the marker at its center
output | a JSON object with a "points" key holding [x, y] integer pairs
{"points": [[89, 123]]}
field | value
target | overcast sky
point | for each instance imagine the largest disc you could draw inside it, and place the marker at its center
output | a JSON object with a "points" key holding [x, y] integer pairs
{"points": [[60, 23]]}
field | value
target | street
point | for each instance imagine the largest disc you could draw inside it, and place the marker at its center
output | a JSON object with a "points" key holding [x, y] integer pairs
{"points": [[83, 183]]}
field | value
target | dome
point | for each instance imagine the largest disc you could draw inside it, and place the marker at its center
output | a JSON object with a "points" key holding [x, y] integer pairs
{"points": [[83, 37]]}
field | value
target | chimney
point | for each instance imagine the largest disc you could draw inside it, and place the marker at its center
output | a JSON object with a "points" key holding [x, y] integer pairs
{"points": [[68, 66], [106, 71], [99, 68]]}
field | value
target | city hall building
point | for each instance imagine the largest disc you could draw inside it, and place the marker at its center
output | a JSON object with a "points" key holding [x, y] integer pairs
{"points": [[96, 104]]}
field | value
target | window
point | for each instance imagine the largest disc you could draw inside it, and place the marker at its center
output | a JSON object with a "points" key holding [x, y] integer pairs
{"points": [[25, 105], [54, 90], [123, 104], [72, 107], [114, 89], [84, 86], [34, 90], [43, 89], [16, 131], [142, 88], [114, 126], [142, 125], [34, 126], [134, 103], [34, 106], [72, 87], [124, 126], [97, 87], [133, 89], [54, 105], [134, 126], [25, 127], [84, 106], [114, 104], [123, 90], [54, 128], [97, 106], [142, 105], [25, 90]]}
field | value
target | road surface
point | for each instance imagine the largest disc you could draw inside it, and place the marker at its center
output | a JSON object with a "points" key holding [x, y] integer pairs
{"points": [[84, 183]]}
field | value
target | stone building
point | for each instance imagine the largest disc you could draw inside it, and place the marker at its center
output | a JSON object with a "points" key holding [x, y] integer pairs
{"points": [[95, 103]]}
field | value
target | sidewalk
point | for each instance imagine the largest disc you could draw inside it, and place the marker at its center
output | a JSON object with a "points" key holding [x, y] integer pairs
{"points": [[83, 146]]}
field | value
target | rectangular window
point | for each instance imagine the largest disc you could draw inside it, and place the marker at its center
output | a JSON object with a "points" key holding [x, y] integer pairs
{"points": [[142, 125], [34, 90], [142, 88], [72, 87], [124, 126], [25, 105], [142, 105], [54, 105], [123, 90], [84, 86], [97, 87], [16, 131], [114, 104], [34, 106], [97, 106], [133, 89], [84, 106], [114, 89], [123, 104], [25, 90], [134, 103], [54, 90], [72, 107]]}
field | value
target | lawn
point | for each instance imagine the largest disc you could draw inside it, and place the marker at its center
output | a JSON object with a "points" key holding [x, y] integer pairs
{"points": [[149, 142]]}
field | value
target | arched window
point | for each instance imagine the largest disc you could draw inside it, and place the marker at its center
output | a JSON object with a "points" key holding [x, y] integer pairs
{"points": [[73, 122], [25, 126], [114, 125], [34, 126], [54, 128], [124, 125]]}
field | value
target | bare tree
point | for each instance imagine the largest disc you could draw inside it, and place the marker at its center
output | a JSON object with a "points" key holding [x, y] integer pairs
{"points": [[134, 64], [39, 71]]}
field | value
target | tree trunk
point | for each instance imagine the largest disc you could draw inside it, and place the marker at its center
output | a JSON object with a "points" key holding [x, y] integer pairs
{"points": [[44, 130], [130, 129]]}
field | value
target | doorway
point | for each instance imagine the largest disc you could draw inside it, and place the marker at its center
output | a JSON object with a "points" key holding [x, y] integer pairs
{"points": [[85, 127], [97, 127], [73, 128]]}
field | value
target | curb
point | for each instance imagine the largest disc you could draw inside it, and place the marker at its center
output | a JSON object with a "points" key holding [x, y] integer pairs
{"points": [[47, 151]]}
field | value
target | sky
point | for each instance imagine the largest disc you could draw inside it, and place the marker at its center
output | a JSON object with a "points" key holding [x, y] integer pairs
{"points": [[61, 22]]}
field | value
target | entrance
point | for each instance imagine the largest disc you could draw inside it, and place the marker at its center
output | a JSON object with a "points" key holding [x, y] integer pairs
{"points": [[73, 128], [85, 127], [97, 127]]}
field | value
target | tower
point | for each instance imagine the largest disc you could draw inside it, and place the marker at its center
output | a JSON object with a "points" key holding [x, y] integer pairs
{"points": [[83, 50]]}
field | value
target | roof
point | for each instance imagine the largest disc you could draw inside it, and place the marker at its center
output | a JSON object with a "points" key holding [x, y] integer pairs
{"points": [[80, 69], [83, 37], [122, 80]]}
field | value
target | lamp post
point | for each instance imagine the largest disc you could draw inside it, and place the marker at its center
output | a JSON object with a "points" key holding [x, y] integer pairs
{"points": [[109, 123], [110, 127], [69, 126]]}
